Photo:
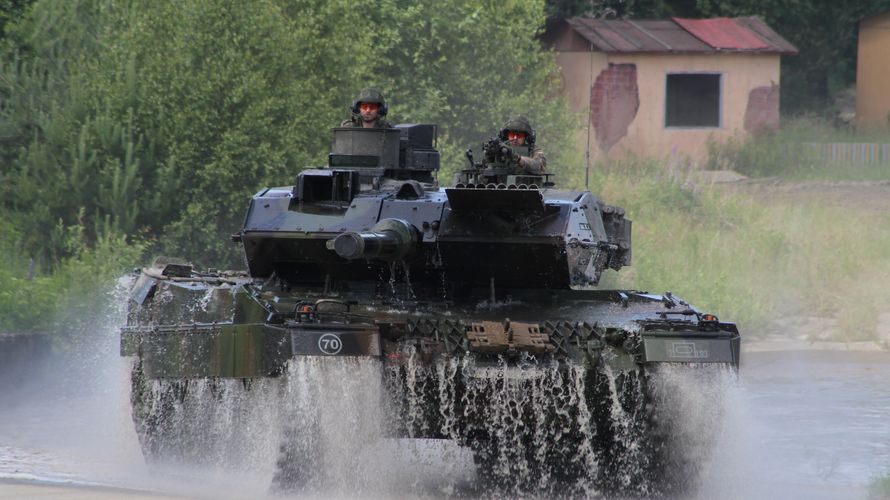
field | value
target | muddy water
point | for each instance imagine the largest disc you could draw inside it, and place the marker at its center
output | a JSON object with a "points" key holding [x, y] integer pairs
{"points": [[797, 425], [805, 424]]}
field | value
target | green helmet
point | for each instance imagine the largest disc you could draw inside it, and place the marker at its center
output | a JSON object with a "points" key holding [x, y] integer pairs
{"points": [[370, 94], [518, 124]]}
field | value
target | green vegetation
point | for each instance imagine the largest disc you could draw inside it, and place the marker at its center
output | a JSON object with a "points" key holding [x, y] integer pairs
{"points": [[788, 153], [160, 119], [880, 488], [148, 125], [136, 128], [66, 297], [748, 261]]}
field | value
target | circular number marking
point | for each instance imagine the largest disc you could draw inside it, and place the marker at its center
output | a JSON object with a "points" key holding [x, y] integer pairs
{"points": [[330, 344]]}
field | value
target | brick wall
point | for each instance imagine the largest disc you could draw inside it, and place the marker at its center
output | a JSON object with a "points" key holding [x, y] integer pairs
{"points": [[763, 109], [614, 101]]}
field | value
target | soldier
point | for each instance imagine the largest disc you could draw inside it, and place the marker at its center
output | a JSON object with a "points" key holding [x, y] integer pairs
{"points": [[519, 132], [368, 110]]}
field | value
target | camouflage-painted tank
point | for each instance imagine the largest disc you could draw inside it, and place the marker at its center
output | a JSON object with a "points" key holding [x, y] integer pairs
{"points": [[463, 296]]}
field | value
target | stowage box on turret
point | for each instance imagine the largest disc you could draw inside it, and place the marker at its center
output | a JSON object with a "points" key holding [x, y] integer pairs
{"points": [[462, 294]]}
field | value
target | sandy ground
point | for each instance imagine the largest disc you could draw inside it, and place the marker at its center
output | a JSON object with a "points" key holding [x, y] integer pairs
{"points": [[40, 491]]}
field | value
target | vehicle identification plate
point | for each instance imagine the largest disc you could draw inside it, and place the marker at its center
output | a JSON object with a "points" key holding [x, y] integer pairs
{"points": [[335, 343], [688, 350]]}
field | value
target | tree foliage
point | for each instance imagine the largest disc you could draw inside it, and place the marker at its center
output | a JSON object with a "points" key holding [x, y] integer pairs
{"points": [[158, 120]]}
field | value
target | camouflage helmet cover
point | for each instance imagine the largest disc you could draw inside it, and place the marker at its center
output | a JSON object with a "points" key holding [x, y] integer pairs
{"points": [[370, 94], [518, 124]]}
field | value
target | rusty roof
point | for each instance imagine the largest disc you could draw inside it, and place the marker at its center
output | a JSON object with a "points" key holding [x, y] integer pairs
{"points": [[739, 34]]}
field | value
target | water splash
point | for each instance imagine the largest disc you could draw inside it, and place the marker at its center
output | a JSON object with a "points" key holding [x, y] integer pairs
{"points": [[548, 428], [316, 428], [524, 422], [540, 428]]}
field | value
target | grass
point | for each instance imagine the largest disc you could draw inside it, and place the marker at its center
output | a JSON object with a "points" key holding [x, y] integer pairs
{"points": [[747, 262], [880, 488], [782, 154]]}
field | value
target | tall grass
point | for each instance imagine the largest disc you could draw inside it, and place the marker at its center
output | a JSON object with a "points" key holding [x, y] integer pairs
{"points": [[783, 154], [746, 261]]}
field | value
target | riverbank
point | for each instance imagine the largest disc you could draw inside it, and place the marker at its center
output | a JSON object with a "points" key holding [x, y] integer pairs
{"points": [[790, 345], [31, 490]]}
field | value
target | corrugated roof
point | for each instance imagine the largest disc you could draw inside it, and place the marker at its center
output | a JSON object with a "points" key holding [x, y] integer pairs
{"points": [[722, 33], [741, 34]]}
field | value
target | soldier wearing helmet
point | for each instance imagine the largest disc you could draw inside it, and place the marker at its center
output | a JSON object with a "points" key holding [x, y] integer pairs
{"points": [[518, 132], [368, 110]]}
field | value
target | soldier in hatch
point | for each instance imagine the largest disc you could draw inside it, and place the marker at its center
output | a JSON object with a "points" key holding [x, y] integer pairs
{"points": [[368, 110], [518, 132]]}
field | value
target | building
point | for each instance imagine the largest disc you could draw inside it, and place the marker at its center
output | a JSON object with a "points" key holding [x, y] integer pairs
{"points": [[873, 72], [659, 88]]}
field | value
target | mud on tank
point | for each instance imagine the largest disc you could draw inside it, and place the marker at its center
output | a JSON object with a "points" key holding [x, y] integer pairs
{"points": [[475, 305]]}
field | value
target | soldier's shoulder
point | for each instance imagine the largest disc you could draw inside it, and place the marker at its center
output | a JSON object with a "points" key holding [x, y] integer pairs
{"points": [[384, 124]]}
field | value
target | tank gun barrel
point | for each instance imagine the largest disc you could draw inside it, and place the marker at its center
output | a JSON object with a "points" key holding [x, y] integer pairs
{"points": [[351, 245], [389, 240]]}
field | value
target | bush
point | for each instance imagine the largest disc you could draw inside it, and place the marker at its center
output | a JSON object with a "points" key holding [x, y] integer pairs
{"points": [[67, 297]]}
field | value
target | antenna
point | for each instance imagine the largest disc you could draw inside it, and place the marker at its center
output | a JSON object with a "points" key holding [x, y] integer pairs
{"points": [[589, 109]]}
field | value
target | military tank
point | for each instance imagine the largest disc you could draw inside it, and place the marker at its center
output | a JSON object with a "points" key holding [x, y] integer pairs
{"points": [[476, 306]]}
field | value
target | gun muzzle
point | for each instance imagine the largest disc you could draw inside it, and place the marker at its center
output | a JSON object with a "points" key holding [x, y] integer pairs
{"points": [[389, 240]]}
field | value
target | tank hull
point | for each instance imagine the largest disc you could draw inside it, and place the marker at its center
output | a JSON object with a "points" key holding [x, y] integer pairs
{"points": [[499, 377]]}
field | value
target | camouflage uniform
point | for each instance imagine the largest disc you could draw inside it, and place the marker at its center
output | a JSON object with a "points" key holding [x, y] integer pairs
{"points": [[368, 95], [536, 162]]}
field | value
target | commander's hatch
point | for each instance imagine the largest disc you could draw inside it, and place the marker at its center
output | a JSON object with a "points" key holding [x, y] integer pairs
{"points": [[324, 190]]}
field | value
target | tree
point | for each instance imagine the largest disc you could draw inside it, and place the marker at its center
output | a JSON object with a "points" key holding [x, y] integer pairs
{"points": [[160, 119]]}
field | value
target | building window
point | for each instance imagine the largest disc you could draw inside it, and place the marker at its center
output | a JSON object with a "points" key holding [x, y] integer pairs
{"points": [[692, 100]]}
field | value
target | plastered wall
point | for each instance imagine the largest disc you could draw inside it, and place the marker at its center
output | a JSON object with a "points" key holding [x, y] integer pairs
{"points": [[873, 72], [750, 90]]}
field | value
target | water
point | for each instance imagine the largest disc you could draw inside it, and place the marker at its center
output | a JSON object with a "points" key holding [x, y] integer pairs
{"points": [[805, 425], [795, 425]]}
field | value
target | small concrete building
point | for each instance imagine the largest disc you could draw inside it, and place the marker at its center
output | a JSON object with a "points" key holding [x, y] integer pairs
{"points": [[660, 88], [873, 72]]}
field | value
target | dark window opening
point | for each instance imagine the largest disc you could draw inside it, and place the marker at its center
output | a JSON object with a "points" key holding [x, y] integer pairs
{"points": [[692, 100]]}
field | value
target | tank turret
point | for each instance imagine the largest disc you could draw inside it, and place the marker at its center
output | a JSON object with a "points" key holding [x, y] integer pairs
{"points": [[378, 201]]}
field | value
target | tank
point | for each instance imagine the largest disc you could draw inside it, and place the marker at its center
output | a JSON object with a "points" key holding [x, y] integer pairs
{"points": [[474, 308]]}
